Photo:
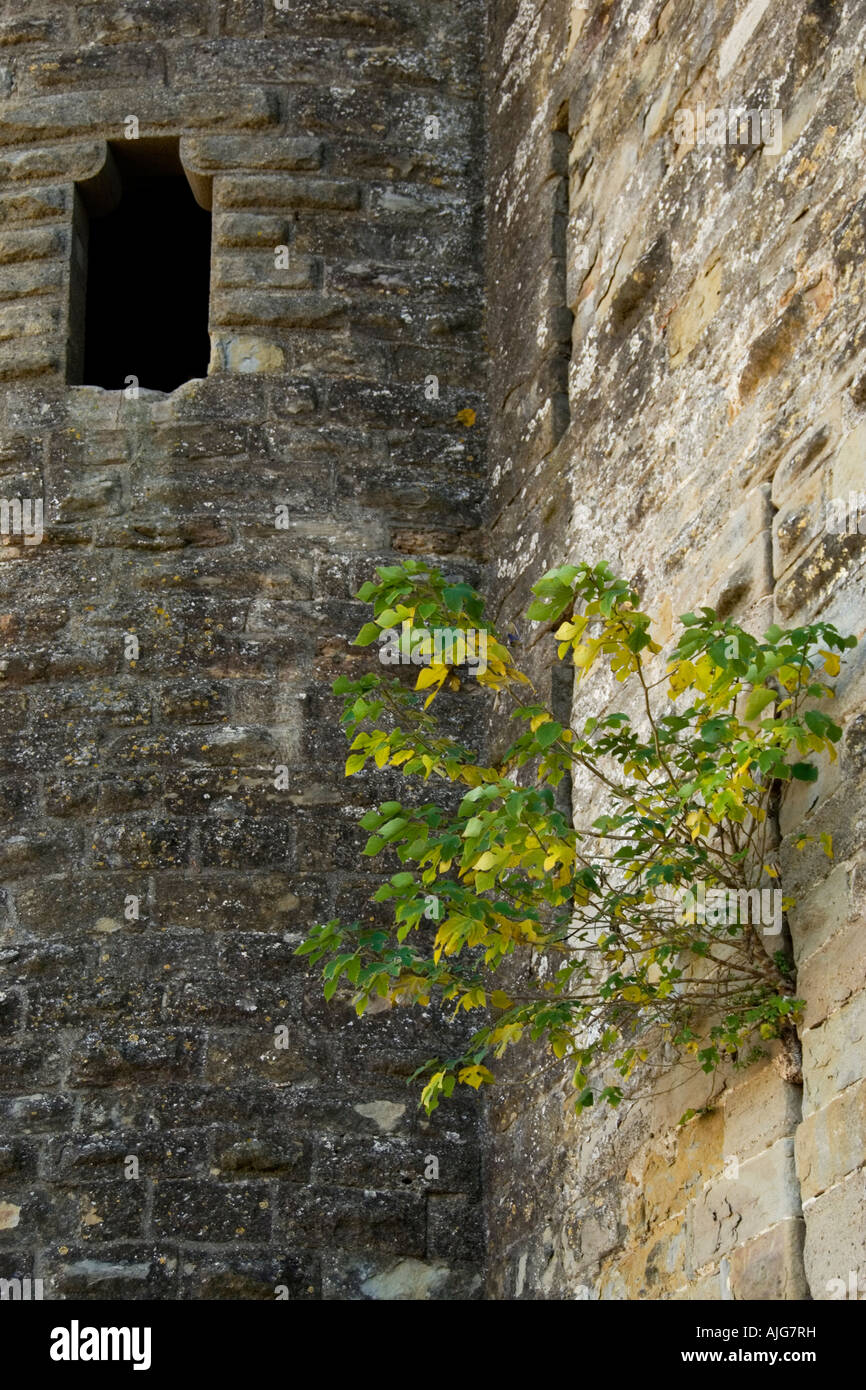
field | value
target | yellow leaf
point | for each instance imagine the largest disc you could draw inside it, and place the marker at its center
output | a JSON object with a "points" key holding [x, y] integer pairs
{"points": [[432, 1087], [473, 1076], [831, 663], [430, 675]]}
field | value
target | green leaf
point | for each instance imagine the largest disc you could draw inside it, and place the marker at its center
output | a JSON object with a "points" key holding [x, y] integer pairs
{"points": [[758, 701], [821, 724], [369, 633], [546, 734], [805, 772], [540, 611], [455, 595], [393, 827]]}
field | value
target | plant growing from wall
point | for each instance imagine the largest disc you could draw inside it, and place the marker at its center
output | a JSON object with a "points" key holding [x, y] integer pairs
{"points": [[640, 932]]}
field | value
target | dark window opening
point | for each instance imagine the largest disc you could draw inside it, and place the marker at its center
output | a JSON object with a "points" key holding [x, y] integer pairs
{"points": [[142, 254]]}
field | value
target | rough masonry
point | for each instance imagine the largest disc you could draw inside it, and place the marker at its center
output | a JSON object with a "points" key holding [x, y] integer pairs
{"points": [[685, 399], [182, 1115], [512, 213]]}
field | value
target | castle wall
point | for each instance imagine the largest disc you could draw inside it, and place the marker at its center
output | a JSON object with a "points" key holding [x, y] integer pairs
{"points": [[677, 387], [156, 879], [677, 384]]}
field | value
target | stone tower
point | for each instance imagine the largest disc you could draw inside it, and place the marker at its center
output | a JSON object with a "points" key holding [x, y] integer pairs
{"points": [[636, 230], [181, 1115]]}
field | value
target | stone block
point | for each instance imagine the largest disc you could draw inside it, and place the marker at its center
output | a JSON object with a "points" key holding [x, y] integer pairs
{"points": [[212, 1212], [834, 1053], [117, 1058], [117, 21], [363, 1221], [831, 1142], [770, 1267], [758, 1111], [219, 152], [382, 1279], [734, 1210], [126, 1271], [818, 916], [251, 1274], [834, 1255], [93, 68], [278, 308], [829, 977], [258, 270], [279, 191]]}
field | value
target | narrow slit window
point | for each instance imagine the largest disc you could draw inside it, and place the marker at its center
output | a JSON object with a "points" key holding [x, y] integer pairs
{"points": [[140, 276]]}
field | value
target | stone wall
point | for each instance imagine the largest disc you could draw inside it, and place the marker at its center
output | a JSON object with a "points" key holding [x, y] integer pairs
{"points": [[704, 303], [157, 1138], [677, 383]]}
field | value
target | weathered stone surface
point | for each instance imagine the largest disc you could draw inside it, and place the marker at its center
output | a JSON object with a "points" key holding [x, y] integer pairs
{"points": [[382, 1279], [158, 874], [771, 1265], [834, 1055], [676, 360], [831, 1142], [832, 975], [714, 408], [834, 1240], [758, 1112], [734, 1210]]}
